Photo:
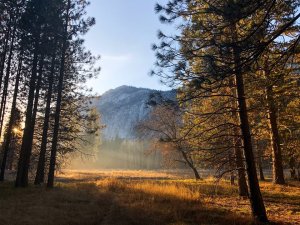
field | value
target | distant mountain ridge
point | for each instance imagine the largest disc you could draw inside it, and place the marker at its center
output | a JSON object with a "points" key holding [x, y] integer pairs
{"points": [[122, 108]]}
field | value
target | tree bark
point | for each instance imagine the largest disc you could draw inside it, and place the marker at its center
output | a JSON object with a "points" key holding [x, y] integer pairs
{"points": [[256, 200], [292, 164], [242, 182], [237, 143], [4, 53], [196, 173], [40, 173], [259, 164], [231, 167], [6, 80], [25, 153], [11, 120], [35, 105], [190, 164], [278, 175], [52, 165]]}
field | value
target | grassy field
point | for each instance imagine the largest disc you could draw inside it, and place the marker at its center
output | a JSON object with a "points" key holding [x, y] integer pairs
{"points": [[141, 198]]}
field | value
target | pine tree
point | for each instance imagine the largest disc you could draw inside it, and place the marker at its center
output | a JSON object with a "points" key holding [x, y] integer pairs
{"points": [[223, 40]]}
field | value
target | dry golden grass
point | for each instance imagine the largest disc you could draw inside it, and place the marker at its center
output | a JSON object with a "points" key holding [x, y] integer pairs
{"points": [[65, 205], [204, 202], [132, 174], [130, 198]]}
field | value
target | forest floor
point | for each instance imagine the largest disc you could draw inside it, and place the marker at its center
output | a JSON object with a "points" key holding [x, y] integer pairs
{"points": [[141, 198]]}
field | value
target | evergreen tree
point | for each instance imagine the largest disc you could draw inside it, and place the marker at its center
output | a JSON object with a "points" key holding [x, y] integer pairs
{"points": [[220, 41]]}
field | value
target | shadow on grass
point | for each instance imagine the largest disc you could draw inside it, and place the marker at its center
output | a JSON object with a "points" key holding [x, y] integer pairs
{"points": [[282, 198], [138, 207], [78, 202]]}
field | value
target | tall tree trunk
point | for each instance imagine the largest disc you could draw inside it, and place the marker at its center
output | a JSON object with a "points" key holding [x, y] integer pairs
{"points": [[292, 164], [6, 80], [259, 163], [261, 171], [36, 101], [4, 53], [242, 182], [237, 143], [25, 153], [52, 165], [231, 167], [256, 200], [40, 173], [11, 120], [278, 175]]}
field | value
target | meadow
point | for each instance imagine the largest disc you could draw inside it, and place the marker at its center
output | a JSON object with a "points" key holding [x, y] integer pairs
{"points": [[141, 198]]}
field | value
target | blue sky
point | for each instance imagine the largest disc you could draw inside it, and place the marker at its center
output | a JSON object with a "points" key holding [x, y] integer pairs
{"points": [[123, 35]]}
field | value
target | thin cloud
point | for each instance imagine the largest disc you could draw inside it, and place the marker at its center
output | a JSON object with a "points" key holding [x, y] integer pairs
{"points": [[124, 57]]}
